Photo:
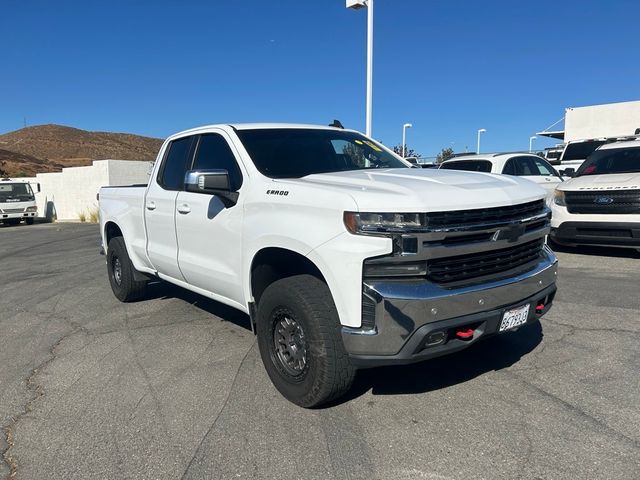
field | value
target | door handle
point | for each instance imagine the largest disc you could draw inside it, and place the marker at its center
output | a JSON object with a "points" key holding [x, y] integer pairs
{"points": [[151, 205], [184, 208]]}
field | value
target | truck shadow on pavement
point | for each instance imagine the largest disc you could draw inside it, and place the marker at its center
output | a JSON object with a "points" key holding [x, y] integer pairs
{"points": [[164, 290], [494, 353]]}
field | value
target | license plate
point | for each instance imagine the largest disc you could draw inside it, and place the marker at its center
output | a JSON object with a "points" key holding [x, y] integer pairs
{"points": [[514, 318]]}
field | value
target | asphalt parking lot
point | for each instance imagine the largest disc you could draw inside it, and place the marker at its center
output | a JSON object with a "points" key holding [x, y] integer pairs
{"points": [[173, 387]]}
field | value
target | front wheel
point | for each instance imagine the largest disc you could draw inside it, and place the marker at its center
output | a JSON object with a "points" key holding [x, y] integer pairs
{"points": [[29, 221], [121, 273], [300, 341]]}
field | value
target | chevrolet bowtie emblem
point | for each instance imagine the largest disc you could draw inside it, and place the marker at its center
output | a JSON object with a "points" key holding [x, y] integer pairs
{"points": [[511, 233]]}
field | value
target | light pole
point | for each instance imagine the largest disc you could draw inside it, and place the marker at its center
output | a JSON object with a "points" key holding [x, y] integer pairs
{"points": [[355, 5], [531, 139], [404, 136], [482, 130]]}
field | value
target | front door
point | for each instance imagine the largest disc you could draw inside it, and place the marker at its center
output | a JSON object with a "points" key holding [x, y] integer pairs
{"points": [[209, 234], [160, 207]]}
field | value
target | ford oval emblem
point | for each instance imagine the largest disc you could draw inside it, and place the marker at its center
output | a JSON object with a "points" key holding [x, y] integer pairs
{"points": [[603, 200]]}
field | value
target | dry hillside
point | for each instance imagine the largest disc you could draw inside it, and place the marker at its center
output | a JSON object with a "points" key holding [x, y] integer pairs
{"points": [[49, 148]]}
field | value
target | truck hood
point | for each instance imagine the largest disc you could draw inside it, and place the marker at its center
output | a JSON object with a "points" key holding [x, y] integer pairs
{"points": [[417, 190], [611, 181]]}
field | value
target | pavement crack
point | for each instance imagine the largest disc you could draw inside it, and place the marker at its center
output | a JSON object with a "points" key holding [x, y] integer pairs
{"points": [[222, 409], [577, 328], [595, 422], [36, 392]]}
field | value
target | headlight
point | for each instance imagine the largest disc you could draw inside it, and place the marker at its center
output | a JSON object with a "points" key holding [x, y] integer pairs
{"points": [[32, 209], [558, 198], [372, 223]]}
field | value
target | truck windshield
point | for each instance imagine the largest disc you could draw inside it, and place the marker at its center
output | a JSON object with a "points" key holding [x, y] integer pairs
{"points": [[297, 152], [15, 192], [623, 160]]}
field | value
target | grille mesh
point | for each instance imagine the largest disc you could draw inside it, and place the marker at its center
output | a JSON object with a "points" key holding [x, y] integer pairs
{"points": [[468, 267], [603, 201], [469, 218]]}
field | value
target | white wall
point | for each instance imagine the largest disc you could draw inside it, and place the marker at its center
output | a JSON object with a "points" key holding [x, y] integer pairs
{"points": [[73, 191]]}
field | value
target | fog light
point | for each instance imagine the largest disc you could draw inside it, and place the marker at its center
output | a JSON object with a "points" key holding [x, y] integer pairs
{"points": [[435, 338]]}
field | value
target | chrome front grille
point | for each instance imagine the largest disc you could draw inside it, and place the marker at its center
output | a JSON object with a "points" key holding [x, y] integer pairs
{"points": [[469, 246], [492, 263], [466, 219], [13, 210]]}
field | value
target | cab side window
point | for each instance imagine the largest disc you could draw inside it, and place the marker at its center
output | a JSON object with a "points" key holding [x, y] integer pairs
{"points": [[521, 167], [545, 169], [176, 162], [510, 167], [214, 153]]}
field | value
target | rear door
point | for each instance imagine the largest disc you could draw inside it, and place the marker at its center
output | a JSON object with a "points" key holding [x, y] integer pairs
{"points": [[533, 168], [209, 234], [548, 178], [160, 207]]}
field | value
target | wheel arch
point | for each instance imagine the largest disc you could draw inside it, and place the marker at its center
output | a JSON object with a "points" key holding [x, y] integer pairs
{"points": [[111, 230], [275, 263]]}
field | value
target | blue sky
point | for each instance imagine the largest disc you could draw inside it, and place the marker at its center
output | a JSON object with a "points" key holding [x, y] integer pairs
{"points": [[449, 67]]}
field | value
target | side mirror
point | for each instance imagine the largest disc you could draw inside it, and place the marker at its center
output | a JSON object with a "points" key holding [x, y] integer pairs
{"points": [[211, 182], [569, 172]]}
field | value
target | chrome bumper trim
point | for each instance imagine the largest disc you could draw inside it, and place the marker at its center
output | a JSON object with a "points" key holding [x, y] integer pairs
{"points": [[403, 306]]}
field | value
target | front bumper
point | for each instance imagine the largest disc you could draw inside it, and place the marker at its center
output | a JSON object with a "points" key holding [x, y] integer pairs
{"points": [[408, 312], [614, 234], [6, 216]]}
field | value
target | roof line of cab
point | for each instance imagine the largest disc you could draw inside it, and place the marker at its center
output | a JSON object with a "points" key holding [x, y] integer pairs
{"points": [[255, 126]]}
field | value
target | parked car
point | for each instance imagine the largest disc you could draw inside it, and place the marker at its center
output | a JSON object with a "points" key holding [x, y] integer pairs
{"points": [[532, 167], [601, 204], [342, 254], [17, 202]]}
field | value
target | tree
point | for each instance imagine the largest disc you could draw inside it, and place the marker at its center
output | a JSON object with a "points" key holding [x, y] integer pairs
{"points": [[408, 152], [445, 154], [355, 154]]}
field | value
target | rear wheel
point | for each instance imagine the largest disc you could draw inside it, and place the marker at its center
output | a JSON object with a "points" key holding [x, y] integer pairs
{"points": [[300, 341], [121, 273]]}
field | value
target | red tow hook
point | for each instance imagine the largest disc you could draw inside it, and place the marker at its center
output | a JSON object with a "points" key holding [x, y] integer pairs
{"points": [[539, 308], [464, 333]]}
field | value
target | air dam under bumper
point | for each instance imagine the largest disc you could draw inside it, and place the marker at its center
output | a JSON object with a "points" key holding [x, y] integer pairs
{"points": [[407, 313], [616, 234]]}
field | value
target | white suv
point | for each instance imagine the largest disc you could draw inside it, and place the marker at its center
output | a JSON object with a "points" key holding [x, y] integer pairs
{"points": [[531, 167], [601, 204]]}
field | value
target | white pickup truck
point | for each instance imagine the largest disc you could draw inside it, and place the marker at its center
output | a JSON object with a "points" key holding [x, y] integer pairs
{"points": [[343, 255]]}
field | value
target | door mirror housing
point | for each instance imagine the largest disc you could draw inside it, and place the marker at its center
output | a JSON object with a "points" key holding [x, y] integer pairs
{"points": [[211, 182], [569, 172]]}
